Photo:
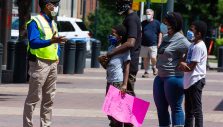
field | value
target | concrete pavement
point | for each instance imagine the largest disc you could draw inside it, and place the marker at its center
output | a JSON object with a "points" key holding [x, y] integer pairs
{"points": [[80, 96]]}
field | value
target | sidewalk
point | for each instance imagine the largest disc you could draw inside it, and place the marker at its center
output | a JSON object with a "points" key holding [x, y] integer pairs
{"points": [[80, 97], [212, 62]]}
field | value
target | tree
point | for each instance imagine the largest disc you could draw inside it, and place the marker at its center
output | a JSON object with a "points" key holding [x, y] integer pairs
{"points": [[24, 16], [205, 10], [220, 9], [20, 65], [100, 23]]}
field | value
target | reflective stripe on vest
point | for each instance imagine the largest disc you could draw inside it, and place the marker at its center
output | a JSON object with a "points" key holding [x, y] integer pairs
{"points": [[46, 33]]}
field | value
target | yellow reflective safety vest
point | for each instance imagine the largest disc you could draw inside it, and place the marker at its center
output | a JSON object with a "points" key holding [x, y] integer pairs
{"points": [[46, 33]]}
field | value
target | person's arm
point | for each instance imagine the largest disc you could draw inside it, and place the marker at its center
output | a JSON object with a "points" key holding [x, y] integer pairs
{"points": [[160, 39], [132, 33], [126, 76], [187, 67], [194, 60], [34, 37], [123, 48]]}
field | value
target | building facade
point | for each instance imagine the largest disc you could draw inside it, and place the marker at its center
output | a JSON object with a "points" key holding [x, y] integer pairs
{"points": [[69, 8]]}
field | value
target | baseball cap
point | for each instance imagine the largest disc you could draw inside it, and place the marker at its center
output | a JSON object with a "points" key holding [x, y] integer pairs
{"points": [[44, 2]]}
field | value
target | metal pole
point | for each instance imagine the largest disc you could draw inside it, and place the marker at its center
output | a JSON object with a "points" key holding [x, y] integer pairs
{"points": [[33, 6], [170, 6], [141, 11], [96, 19], [148, 4], [72, 8], [84, 9]]}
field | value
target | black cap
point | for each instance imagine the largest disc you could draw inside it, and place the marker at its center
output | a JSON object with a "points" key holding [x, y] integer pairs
{"points": [[54, 2], [42, 3]]}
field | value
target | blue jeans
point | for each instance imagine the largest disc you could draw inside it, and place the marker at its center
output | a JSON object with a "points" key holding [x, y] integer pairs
{"points": [[168, 91]]}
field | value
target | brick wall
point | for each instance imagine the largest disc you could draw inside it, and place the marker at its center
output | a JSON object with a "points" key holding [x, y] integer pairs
{"points": [[90, 7]]}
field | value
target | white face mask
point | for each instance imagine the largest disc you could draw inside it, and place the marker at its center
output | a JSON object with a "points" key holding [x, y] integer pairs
{"points": [[55, 11], [148, 17]]}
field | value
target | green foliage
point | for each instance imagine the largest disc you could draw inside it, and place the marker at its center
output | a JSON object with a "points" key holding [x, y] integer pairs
{"points": [[100, 23], [206, 10], [220, 9]]}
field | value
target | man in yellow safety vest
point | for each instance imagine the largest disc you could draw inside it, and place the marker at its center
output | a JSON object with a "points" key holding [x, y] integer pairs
{"points": [[43, 52]]}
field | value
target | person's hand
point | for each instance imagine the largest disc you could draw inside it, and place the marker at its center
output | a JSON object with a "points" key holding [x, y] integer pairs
{"points": [[123, 89], [183, 67], [60, 39], [58, 61], [103, 60]]}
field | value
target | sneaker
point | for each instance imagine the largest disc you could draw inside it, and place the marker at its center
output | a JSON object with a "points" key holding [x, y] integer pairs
{"points": [[145, 75], [155, 71]]}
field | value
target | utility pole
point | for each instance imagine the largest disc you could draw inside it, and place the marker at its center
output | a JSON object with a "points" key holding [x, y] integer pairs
{"points": [[141, 11], [96, 19], [84, 9], [170, 6], [72, 8], [147, 4]]}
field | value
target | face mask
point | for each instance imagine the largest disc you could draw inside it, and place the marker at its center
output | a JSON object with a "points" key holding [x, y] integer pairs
{"points": [[163, 28], [122, 8], [55, 11], [190, 35], [112, 40], [148, 17]]}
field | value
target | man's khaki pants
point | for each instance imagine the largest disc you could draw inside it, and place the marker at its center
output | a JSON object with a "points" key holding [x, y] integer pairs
{"points": [[42, 85]]}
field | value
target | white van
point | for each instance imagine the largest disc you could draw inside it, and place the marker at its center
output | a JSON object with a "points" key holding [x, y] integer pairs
{"points": [[71, 28]]}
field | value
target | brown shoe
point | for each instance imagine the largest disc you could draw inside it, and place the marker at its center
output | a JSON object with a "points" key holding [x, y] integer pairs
{"points": [[145, 75], [155, 71]]}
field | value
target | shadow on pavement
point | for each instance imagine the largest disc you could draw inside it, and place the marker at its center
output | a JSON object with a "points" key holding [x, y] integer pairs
{"points": [[5, 97], [219, 107]]}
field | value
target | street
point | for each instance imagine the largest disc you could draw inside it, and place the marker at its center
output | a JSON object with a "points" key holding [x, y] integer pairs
{"points": [[80, 97]]}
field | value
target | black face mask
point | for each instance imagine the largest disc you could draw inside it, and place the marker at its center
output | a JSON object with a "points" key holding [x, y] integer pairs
{"points": [[122, 6], [121, 9]]}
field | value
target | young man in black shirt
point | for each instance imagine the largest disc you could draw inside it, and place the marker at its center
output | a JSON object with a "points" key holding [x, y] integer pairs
{"points": [[132, 43], [132, 38]]}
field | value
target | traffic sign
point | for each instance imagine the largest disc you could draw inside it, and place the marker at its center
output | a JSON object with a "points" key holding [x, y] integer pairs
{"points": [[158, 1], [135, 6], [139, 0]]}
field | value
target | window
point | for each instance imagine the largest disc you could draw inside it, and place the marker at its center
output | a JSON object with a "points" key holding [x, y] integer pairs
{"points": [[82, 26], [65, 26], [15, 24]]}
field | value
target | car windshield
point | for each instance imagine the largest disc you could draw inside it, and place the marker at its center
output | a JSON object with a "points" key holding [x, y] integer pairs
{"points": [[65, 26], [15, 24], [82, 26]]}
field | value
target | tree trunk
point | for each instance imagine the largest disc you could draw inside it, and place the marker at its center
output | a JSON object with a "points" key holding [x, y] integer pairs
{"points": [[24, 16]]}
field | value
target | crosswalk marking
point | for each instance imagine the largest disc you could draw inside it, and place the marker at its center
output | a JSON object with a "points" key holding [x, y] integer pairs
{"points": [[210, 117], [92, 91], [137, 79]]}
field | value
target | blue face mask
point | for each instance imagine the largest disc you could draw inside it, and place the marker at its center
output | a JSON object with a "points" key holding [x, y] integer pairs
{"points": [[163, 28], [190, 35], [112, 40]]}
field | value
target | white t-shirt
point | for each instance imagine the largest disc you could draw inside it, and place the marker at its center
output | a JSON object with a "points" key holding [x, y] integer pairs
{"points": [[197, 53]]}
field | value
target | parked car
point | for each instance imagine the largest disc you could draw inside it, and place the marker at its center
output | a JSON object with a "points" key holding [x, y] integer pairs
{"points": [[15, 28], [71, 28]]}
